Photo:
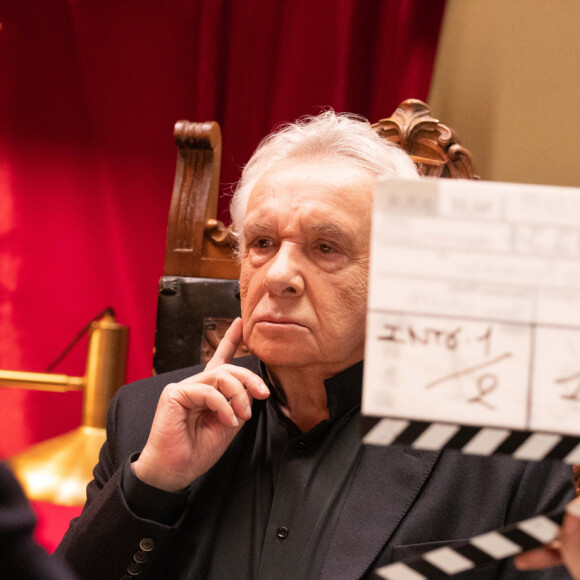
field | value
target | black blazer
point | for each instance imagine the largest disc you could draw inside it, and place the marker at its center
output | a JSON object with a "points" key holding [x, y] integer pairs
{"points": [[401, 501]]}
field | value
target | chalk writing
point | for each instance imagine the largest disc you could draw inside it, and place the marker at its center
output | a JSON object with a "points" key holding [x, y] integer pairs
{"points": [[426, 337], [431, 336], [486, 338], [575, 395], [485, 383]]}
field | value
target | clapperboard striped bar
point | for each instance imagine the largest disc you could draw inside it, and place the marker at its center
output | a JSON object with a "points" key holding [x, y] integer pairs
{"points": [[433, 436], [478, 551]]}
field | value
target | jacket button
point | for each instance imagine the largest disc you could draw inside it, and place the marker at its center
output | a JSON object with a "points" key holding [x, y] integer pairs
{"points": [[300, 447], [134, 569], [147, 544], [140, 557], [282, 532]]}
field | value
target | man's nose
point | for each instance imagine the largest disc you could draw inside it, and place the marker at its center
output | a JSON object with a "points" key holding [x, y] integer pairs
{"points": [[284, 275]]}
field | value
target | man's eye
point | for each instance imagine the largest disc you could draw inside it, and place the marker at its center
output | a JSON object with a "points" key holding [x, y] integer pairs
{"points": [[326, 248], [261, 243]]}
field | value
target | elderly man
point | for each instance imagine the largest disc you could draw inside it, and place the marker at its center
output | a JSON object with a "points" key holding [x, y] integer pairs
{"points": [[253, 468]]}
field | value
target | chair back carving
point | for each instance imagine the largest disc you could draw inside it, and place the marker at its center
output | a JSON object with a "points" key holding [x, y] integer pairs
{"points": [[197, 243], [199, 292], [434, 147]]}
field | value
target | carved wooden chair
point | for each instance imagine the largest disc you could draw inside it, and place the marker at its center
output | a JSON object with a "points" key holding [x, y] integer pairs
{"points": [[199, 293]]}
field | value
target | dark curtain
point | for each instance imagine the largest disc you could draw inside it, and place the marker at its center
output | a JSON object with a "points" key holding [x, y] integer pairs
{"points": [[89, 93]]}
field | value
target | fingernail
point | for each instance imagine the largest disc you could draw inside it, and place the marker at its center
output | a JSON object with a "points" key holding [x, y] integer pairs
{"points": [[235, 422], [247, 412], [264, 389], [574, 509]]}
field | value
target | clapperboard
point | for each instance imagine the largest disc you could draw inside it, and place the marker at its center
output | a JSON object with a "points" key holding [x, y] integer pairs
{"points": [[473, 335]]}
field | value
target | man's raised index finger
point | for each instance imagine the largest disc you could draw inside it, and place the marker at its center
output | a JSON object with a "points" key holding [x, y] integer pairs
{"points": [[226, 349]]}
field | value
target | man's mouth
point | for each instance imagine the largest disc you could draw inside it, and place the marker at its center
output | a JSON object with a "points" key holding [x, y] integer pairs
{"points": [[279, 321]]}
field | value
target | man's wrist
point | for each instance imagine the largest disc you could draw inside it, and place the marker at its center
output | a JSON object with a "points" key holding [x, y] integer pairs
{"points": [[149, 502], [153, 477]]}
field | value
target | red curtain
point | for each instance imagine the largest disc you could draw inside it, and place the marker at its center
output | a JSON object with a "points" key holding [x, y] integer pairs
{"points": [[89, 93]]}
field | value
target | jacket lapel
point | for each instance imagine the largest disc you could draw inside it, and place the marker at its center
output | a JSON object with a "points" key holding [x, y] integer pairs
{"points": [[383, 488]]}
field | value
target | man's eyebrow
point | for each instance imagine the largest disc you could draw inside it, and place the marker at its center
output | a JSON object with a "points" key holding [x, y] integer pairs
{"points": [[257, 228], [331, 230]]}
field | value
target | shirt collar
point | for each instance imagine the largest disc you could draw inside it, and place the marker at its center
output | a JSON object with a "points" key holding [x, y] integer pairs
{"points": [[343, 390]]}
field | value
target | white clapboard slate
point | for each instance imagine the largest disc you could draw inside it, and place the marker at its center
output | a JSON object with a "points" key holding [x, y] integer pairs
{"points": [[473, 328]]}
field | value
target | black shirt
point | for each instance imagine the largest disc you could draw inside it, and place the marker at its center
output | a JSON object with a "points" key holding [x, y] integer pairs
{"points": [[280, 493]]}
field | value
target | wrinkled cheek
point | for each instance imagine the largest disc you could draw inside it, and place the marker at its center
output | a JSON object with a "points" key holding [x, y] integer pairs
{"points": [[352, 312], [243, 297], [243, 289], [247, 303], [255, 342], [354, 296]]}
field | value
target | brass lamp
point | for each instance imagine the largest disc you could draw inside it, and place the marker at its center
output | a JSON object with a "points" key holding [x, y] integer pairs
{"points": [[58, 470]]}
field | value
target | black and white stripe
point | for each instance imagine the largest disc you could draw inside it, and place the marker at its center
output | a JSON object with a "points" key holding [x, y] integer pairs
{"points": [[433, 436], [476, 552]]}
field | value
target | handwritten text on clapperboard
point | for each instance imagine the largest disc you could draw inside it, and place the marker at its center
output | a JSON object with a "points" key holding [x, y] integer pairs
{"points": [[474, 305]]}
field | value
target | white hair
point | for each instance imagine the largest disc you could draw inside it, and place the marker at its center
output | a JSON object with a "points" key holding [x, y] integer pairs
{"points": [[342, 137]]}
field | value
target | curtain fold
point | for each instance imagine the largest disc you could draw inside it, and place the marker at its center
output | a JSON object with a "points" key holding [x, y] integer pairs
{"points": [[89, 93]]}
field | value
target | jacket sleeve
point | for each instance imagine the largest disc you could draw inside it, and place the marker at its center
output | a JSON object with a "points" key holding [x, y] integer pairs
{"points": [[549, 486], [109, 540], [127, 525]]}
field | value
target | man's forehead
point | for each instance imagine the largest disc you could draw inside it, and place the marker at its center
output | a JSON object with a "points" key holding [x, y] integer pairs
{"points": [[351, 191], [323, 198]]}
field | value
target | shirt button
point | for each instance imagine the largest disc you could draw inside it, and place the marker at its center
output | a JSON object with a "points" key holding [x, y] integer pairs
{"points": [[140, 557], [134, 569], [147, 544], [300, 447], [282, 533]]}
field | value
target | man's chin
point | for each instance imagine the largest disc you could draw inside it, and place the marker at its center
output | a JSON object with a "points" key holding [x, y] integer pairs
{"points": [[281, 354]]}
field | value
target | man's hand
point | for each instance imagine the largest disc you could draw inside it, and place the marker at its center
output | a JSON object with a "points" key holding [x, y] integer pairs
{"points": [[564, 550], [197, 419]]}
